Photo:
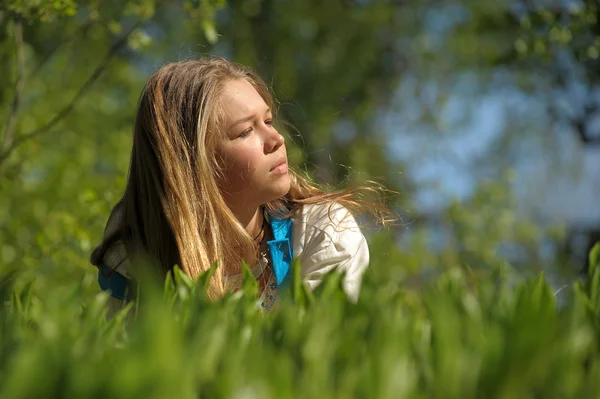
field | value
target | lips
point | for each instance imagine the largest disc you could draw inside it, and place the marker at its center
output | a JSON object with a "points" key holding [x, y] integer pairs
{"points": [[280, 165], [280, 161]]}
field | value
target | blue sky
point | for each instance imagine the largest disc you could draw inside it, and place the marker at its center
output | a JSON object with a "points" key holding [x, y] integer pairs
{"points": [[556, 178]]}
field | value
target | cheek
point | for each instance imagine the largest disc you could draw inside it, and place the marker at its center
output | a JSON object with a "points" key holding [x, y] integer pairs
{"points": [[241, 163]]}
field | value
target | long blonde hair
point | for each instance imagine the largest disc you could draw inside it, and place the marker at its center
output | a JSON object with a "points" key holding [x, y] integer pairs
{"points": [[172, 211]]}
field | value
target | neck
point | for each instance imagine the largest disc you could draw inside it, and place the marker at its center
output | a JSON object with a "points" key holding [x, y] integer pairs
{"points": [[250, 218]]}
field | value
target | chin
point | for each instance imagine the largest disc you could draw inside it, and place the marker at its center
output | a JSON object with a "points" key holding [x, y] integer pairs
{"points": [[279, 190]]}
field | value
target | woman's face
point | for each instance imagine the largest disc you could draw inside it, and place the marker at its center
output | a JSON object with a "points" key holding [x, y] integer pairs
{"points": [[252, 151]]}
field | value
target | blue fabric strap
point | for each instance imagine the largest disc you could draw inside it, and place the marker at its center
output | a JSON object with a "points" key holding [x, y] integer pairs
{"points": [[116, 283], [281, 249]]}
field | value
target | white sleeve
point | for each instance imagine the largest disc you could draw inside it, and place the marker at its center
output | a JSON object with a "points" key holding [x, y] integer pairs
{"points": [[335, 243]]}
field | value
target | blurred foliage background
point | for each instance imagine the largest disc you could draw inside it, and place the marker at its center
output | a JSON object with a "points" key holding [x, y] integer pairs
{"points": [[483, 115]]}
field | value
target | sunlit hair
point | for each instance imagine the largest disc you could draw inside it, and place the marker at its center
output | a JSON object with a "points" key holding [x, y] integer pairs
{"points": [[172, 211]]}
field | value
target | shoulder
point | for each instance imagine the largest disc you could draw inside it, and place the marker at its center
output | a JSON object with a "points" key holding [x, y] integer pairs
{"points": [[114, 256], [329, 218], [323, 228], [326, 237], [115, 259]]}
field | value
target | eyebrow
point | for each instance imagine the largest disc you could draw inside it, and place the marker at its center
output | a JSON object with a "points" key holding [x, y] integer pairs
{"points": [[246, 119]]}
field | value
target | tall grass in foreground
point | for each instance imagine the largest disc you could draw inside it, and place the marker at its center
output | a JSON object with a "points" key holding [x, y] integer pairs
{"points": [[457, 337]]}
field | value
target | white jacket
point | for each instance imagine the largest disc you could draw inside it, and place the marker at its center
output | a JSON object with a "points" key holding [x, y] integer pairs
{"points": [[324, 241]]}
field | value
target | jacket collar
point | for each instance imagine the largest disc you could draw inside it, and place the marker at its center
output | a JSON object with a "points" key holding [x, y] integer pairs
{"points": [[281, 248]]}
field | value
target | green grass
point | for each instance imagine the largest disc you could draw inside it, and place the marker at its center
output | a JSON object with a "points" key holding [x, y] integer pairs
{"points": [[455, 337]]}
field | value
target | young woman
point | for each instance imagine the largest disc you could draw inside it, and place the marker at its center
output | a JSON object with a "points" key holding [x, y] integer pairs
{"points": [[209, 182]]}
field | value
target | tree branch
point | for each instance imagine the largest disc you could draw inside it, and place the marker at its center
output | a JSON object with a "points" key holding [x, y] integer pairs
{"points": [[67, 109], [50, 53], [19, 84]]}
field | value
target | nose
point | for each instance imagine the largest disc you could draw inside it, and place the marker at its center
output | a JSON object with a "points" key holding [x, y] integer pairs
{"points": [[273, 141]]}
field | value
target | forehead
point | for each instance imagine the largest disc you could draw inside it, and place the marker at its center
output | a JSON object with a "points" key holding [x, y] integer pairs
{"points": [[240, 99]]}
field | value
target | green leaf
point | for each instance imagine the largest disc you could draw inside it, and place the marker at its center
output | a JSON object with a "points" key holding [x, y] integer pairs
{"points": [[594, 259], [331, 287], [210, 32], [183, 283], [249, 285], [301, 293], [205, 278]]}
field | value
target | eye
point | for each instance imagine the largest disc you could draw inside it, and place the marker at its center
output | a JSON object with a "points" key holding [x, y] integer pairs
{"points": [[245, 133], [269, 122]]}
